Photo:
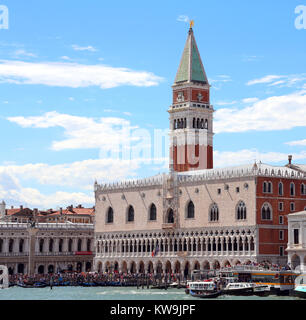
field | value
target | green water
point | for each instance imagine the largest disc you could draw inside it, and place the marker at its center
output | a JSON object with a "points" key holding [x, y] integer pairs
{"points": [[111, 293]]}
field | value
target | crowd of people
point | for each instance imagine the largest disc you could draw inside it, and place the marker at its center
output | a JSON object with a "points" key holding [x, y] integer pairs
{"points": [[121, 279]]}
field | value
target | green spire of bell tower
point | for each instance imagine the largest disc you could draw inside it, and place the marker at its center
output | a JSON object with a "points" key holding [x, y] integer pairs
{"points": [[191, 68]]}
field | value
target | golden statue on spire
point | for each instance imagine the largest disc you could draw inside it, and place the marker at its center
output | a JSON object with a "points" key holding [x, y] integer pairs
{"points": [[191, 24]]}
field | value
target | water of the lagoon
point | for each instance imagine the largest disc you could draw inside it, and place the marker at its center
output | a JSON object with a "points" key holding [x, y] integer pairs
{"points": [[112, 293]]}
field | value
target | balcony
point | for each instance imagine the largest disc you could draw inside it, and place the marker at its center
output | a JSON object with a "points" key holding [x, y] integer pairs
{"points": [[168, 226]]}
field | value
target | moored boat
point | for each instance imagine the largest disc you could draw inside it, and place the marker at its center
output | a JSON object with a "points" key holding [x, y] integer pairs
{"points": [[32, 285], [300, 287], [203, 289], [239, 289]]}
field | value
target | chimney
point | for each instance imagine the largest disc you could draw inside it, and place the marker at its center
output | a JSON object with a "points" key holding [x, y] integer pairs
{"points": [[61, 211], [35, 212], [12, 207], [290, 159], [21, 207]]}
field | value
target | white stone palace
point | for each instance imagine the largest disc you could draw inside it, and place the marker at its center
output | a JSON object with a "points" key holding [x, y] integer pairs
{"points": [[196, 217]]}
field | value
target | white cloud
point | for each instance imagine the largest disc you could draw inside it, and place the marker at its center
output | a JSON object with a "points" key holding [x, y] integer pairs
{"points": [[88, 48], [80, 175], [22, 52], [225, 103], [183, 18], [73, 75], [250, 100], [274, 113], [247, 156], [266, 79], [297, 143], [81, 132], [279, 80]]}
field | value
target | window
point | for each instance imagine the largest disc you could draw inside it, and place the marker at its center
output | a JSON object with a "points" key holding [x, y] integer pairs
{"points": [[214, 213], [170, 216], [303, 191], [152, 214], [237, 189], [281, 206], [130, 214], [281, 234], [80, 245], [281, 219], [296, 236], [292, 189], [280, 189], [292, 206], [281, 251], [190, 210], [51, 245], [266, 212], [219, 191], [241, 211], [110, 215], [267, 187]]}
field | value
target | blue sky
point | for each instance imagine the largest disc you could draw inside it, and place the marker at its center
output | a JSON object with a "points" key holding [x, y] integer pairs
{"points": [[74, 73]]}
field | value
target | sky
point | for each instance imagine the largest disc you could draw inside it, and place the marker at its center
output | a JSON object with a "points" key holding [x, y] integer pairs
{"points": [[79, 79]]}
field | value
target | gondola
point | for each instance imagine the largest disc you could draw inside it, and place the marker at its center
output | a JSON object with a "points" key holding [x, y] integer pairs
{"points": [[33, 285]]}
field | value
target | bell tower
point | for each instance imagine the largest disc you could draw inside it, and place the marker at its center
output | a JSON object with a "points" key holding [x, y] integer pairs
{"points": [[191, 114]]}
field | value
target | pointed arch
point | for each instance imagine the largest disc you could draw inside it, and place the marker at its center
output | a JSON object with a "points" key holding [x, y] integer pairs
{"points": [[110, 215], [130, 214], [266, 211], [190, 210], [241, 211], [152, 212], [170, 216], [214, 213]]}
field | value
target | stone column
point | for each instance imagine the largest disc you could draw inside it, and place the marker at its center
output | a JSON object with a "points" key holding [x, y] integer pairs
{"points": [[32, 239]]}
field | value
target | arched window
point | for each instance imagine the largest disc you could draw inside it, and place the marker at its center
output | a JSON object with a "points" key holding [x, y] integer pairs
{"points": [[152, 214], [11, 245], [41, 245], [80, 245], [51, 245], [280, 189], [70, 245], [60, 245], [292, 189], [190, 210], [170, 216], [214, 213], [270, 190], [266, 212], [88, 245], [241, 211], [303, 191], [265, 187], [21, 243], [110, 215], [130, 214]]}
